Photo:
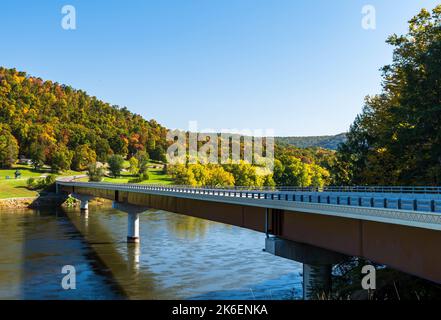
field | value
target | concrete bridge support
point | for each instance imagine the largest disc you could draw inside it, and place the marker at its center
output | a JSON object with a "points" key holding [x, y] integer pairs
{"points": [[133, 227], [133, 213], [84, 201], [317, 264]]}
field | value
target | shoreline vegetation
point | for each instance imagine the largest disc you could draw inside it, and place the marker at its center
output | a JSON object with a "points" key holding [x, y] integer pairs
{"points": [[18, 193]]}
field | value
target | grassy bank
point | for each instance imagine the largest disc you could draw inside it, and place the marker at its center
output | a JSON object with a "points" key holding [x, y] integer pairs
{"points": [[156, 176], [16, 188]]}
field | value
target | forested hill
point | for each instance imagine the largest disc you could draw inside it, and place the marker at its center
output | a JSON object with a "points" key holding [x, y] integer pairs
{"points": [[50, 120], [326, 142]]}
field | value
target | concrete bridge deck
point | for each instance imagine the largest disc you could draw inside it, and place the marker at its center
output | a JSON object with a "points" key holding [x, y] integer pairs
{"points": [[417, 209]]}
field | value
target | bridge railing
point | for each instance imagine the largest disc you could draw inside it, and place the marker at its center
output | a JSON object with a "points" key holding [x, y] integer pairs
{"points": [[366, 196], [340, 189]]}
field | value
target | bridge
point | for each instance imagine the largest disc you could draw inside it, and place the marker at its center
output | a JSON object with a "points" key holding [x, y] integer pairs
{"points": [[395, 226]]}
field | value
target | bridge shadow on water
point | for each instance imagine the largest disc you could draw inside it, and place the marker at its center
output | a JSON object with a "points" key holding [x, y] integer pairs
{"points": [[179, 257], [48, 242]]}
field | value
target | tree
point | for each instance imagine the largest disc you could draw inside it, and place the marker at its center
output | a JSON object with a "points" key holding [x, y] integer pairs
{"points": [[134, 166], [37, 155], [397, 137], [95, 172], [83, 156], [116, 164], [268, 181], [61, 159], [319, 176], [8, 148], [297, 173], [182, 175], [143, 160], [244, 174], [218, 177]]}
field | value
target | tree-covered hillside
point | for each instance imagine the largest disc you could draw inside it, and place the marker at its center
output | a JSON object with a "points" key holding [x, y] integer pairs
{"points": [[57, 125], [325, 142]]}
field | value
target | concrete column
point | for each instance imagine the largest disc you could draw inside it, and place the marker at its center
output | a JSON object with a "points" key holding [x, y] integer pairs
{"points": [[133, 228], [317, 264], [84, 206], [316, 281]]}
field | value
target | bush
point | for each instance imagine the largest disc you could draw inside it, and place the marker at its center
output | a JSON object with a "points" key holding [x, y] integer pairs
{"points": [[30, 183], [142, 177], [50, 179], [95, 173], [47, 183]]}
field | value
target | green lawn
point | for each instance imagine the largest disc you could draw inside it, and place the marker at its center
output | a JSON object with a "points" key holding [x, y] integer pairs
{"points": [[16, 188], [156, 177]]}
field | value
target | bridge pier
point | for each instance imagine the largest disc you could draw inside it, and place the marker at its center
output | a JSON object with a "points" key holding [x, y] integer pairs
{"points": [[317, 264], [133, 227], [133, 213], [84, 205], [84, 201]]}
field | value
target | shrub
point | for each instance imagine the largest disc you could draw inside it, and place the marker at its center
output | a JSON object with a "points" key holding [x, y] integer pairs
{"points": [[30, 183], [144, 176], [95, 173]]}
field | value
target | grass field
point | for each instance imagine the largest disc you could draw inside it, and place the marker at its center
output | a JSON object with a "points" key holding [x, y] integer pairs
{"points": [[16, 188], [156, 177]]}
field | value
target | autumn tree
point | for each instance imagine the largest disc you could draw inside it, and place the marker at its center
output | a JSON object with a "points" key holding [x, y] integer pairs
{"points": [[83, 156], [61, 159], [8, 147]]}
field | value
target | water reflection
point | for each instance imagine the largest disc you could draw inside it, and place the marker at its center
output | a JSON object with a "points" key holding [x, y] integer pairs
{"points": [[179, 257]]}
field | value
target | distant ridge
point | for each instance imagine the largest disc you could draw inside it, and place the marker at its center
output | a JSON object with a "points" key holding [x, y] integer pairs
{"points": [[326, 142]]}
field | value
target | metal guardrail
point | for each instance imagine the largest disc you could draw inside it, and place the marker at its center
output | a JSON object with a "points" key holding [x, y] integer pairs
{"points": [[354, 196], [349, 189]]}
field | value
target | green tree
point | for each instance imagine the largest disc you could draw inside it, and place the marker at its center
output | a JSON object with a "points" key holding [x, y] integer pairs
{"points": [[268, 181], [61, 159], [397, 137], [8, 148], [37, 155], [95, 172], [244, 174], [143, 160], [116, 164], [134, 166], [182, 175], [83, 156], [218, 177]]}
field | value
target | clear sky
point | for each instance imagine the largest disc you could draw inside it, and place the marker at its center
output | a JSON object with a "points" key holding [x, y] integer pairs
{"points": [[300, 67]]}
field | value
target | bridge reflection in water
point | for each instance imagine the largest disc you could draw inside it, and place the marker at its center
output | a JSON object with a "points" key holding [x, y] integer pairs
{"points": [[182, 257]]}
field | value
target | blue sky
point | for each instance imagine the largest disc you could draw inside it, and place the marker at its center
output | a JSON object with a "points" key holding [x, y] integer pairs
{"points": [[300, 67]]}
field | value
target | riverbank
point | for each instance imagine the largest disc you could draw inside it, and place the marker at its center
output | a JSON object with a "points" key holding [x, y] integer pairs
{"points": [[45, 201], [36, 202]]}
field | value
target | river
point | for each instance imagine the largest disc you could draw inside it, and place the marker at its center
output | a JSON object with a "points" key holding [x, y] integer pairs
{"points": [[179, 257]]}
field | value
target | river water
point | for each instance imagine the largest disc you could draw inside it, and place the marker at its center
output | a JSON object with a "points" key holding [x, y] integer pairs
{"points": [[179, 257]]}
